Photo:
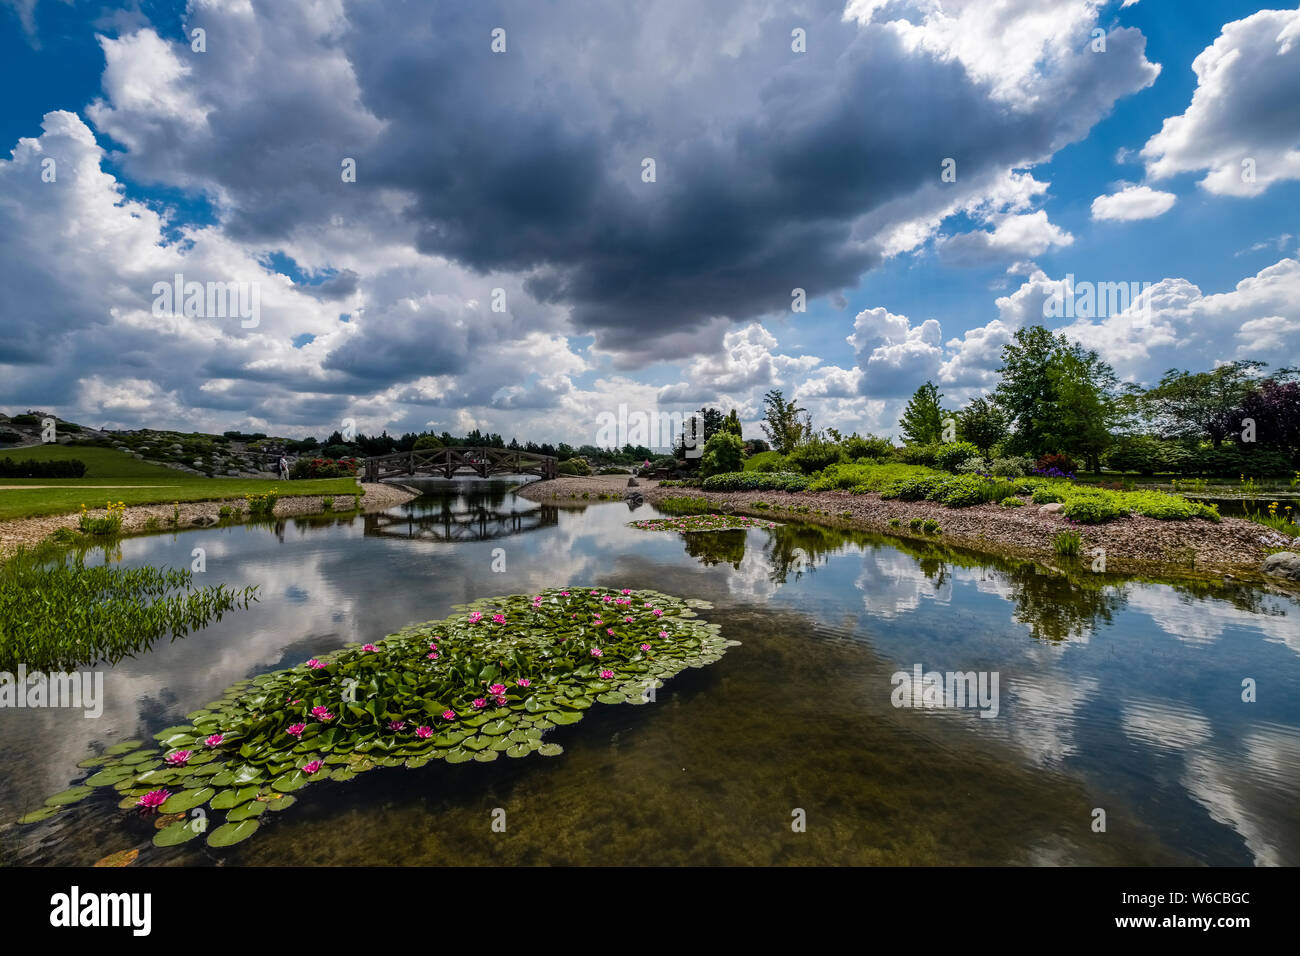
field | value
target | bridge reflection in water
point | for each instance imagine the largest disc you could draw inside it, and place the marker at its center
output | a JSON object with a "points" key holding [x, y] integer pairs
{"points": [[463, 511]]}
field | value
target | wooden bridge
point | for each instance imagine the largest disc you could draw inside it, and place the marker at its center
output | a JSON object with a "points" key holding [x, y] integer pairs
{"points": [[452, 461]]}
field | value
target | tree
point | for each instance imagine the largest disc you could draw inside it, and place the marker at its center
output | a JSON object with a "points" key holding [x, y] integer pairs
{"points": [[1201, 404], [1274, 408], [427, 441], [732, 424], [1085, 406], [1057, 395], [982, 424], [712, 421], [781, 422], [922, 420]]}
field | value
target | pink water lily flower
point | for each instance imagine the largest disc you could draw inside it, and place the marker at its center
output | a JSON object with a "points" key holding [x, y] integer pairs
{"points": [[609, 631], [606, 675], [368, 648], [448, 715], [627, 620], [432, 655], [524, 682], [645, 647], [311, 767], [295, 730], [424, 732], [501, 700], [663, 633], [396, 725], [214, 740], [657, 612], [475, 617], [153, 799], [433, 647], [564, 594], [178, 759], [321, 713], [627, 590], [315, 664], [596, 652], [496, 689], [498, 618], [479, 702]]}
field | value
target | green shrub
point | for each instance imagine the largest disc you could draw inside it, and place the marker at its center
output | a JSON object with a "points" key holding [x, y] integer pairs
{"points": [[755, 481], [1094, 508], [915, 524], [30, 468], [1012, 502], [924, 455], [974, 466], [813, 456], [862, 478], [872, 448], [951, 455], [914, 489], [327, 503], [1049, 492], [966, 490], [893, 522], [724, 453], [1011, 467], [574, 466], [930, 526]]}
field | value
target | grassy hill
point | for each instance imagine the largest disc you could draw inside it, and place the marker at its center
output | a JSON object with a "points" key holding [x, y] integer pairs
{"points": [[100, 463]]}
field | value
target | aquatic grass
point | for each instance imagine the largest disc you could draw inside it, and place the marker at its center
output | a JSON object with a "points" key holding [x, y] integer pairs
{"points": [[683, 504], [1067, 544], [56, 613], [491, 680], [708, 522]]}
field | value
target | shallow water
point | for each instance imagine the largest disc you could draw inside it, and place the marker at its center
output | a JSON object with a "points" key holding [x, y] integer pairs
{"points": [[1124, 697]]}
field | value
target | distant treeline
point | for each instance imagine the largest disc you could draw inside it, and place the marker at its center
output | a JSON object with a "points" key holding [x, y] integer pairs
{"points": [[31, 468]]}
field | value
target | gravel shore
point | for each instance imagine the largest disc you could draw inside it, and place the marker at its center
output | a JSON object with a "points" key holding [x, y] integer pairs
{"points": [[29, 531], [1234, 545]]}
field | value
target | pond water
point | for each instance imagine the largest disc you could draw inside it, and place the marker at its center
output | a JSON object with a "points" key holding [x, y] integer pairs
{"points": [[1112, 695]]}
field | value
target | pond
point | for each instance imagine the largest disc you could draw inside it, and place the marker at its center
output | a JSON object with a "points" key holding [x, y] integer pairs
{"points": [[1116, 731]]}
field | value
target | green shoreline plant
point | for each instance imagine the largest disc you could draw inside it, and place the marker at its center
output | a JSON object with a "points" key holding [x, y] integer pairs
{"points": [[57, 613], [491, 680], [694, 523]]}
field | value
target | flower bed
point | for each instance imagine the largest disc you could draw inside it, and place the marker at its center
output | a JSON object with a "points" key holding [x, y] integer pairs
{"points": [[491, 680], [692, 523]]}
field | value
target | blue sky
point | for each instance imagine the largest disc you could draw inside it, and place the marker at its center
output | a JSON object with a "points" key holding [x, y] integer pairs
{"points": [[517, 175]]}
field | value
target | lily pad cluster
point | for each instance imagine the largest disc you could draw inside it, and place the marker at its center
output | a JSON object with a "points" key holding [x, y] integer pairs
{"points": [[492, 679], [710, 522]]}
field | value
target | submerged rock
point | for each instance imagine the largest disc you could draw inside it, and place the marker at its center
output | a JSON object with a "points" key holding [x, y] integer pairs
{"points": [[1284, 564]]}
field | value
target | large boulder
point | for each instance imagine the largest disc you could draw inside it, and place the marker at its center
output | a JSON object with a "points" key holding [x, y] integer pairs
{"points": [[633, 483], [1052, 508], [1284, 564]]}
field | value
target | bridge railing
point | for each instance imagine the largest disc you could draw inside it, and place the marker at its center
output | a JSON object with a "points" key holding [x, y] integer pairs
{"points": [[450, 460]]}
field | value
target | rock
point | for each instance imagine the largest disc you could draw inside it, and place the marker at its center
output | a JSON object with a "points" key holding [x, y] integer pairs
{"points": [[634, 498], [633, 483], [232, 472], [1284, 564], [1054, 508], [202, 520]]}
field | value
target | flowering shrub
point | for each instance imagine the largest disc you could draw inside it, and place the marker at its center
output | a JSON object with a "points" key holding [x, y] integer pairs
{"points": [[324, 468], [1055, 466]]}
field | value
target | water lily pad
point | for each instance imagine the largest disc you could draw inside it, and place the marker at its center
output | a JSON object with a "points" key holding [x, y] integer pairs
{"points": [[228, 834], [485, 756], [69, 796], [229, 799], [246, 812], [550, 750], [280, 801], [459, 756], [36, 816], [109, 776], [124, 747], [293, 780], [565, 717], [176, 833], [187, 800]]}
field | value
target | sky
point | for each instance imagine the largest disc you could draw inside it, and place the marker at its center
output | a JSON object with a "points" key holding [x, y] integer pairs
{"points": [[520, 216]]}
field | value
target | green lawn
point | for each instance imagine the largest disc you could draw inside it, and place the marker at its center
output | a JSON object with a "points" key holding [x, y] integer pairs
{"points": [[131, 481], [69, 494], [100, 462]]}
